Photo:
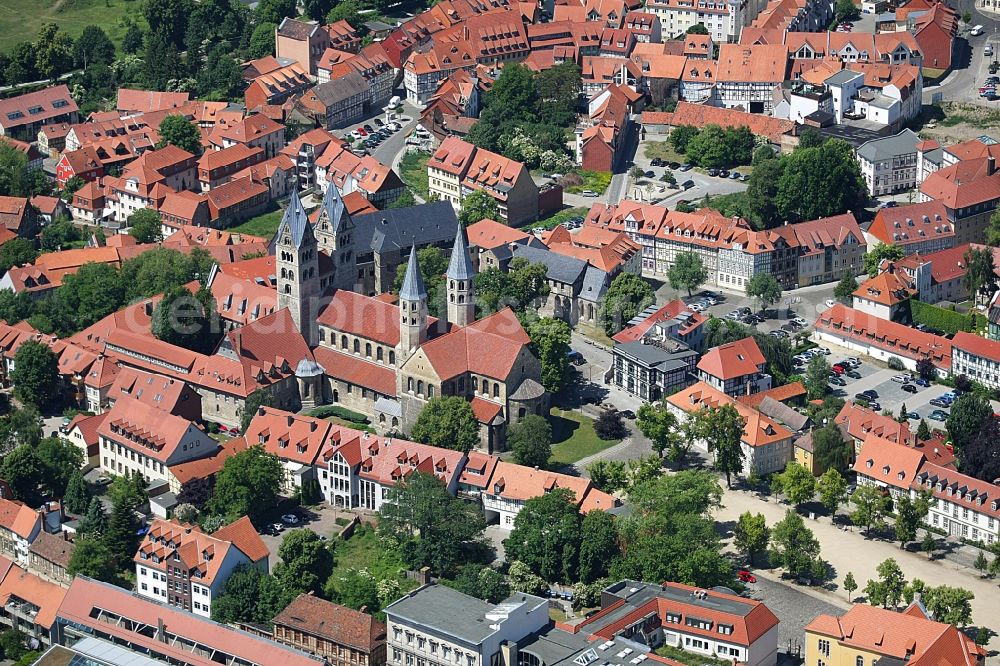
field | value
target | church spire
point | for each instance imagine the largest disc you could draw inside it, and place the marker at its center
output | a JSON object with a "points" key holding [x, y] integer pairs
{"points": [[412, 308], [413, 284], [460, 267], [461, 283]]}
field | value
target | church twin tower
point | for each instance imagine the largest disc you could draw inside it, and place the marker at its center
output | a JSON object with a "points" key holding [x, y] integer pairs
{"points": [[304, 291]]}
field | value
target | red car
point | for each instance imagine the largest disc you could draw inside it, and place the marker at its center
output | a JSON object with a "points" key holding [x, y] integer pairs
{"points": [[745, 576], [839, 369]]}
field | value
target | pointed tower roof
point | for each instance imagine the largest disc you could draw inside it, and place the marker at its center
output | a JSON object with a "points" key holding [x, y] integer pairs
{"points": [[413, 284], [460, 267], [295, 220], [333, 206]]}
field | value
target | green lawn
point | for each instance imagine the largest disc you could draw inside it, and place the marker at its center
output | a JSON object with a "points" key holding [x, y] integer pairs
{"points": [[20, 19], [664, 151], [573, 437], [264, 225], [413, 171], [596, 181], [689, 658], [364, 550], [556, 219]]}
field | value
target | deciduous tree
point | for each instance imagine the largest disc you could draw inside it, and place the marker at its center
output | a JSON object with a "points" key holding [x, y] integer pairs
{"points": [[531, 441], [77, 495], [247, 484], [176, 130], [93, 48], [969, 414], [817, 377], [17, 252], [92, 558], [882, 251], [795, 548], [447, 422], [765, 288], [627, 296], [870, 508], [35, 375], [887, 590], [909, 514], [797, 483], [980, 456], [844, 291], [660, 426], [688, 272], [306, 563], [830, 450], [483, 582], [550, 340], [850, 585], [751, 534], [250, 595], [546, 536], [832, 490], [598, 545], [951, 605], [722, 428]]}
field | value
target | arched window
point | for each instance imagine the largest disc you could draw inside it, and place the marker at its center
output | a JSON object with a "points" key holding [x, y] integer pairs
{"points": [[381, 418], [475, 384], [496, 389], [288, 288], [420, 387], [430, 390], [368, 349], [395, 422], [392, 357], [378, 354], [859, 661], [343, 341], [486, 387], [357, 347], [409, 384]]}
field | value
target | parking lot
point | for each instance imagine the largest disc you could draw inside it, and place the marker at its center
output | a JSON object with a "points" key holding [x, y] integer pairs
{"points": [[320, 519]]}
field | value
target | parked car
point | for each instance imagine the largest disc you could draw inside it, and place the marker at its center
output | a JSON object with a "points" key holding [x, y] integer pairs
{"points": [[875, 406], [674, 165], [589, 193], [734, 175], [687, 166], [687, 185], [778, 334], [909, 388], [724, 173], [837, 381], [733, 315], [629, 414], [656, 161], [913, 416], [871, 393], [745, 576], [900, 379], [745, 177], [697, 307], [938, 415], [853, 374], [861, 396], [713, 172], [938, 402], [649, 174], [920, 381], [839, 368], [830, 302], [800, 321], [290, 519]]}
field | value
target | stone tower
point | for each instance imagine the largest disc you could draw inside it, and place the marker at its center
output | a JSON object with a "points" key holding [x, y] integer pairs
{"points": [[460, 277], [335, 236], [412, 309], [297, 268]]}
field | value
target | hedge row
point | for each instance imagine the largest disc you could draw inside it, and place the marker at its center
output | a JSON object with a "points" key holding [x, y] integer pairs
{"points": [[941, 319], [340, 412]]}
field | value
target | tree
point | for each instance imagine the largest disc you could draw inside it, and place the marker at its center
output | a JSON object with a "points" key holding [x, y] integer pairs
{"points": [[608, 475], [16, 252], [53, 51], [346, 10], [450, 530], [145, 226], [93, 48], [882, 251], [688, 272], [35, 375], [887, 591], [272, 11], [522, 579], [121, 534], [433, 264], [751, 534], [247, 484], [982, 564], [516, 288], [980, 278], [925, 368], [24, 471], [627, 296], [482, 582], [765, 288], [261, 397], [598, 545], [262, 40], [923, 432], [951, 605], [95, 521], [609, 425], [844, 291], [187, 320], [794, 546], [870, 508], [60, 460], [846, 10], [59, 234], [810, 138], [850, 585], [447, 422], [797, 483], [832, 490], [980, 456], [830, 450], [909, 514], [722, 430], [250, 595], [176, 130], [546, 535], [220, 78], [92, 293], [660, 426], [92, 558], [558, 90], [681, 135], [550, 340], [306, 563], [817, 376], [928, 545], [531, 441], [160, 61], [968, 415], [77, 495], [817, 182], [133, 39], [169, 17], [12, 645]]}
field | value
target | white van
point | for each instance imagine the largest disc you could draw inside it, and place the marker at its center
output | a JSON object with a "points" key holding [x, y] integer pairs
{"points": [[976, 31], [394, 102], [988, 51]]}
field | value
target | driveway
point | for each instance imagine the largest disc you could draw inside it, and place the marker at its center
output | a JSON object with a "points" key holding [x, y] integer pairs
{"points": [[321, 519]]}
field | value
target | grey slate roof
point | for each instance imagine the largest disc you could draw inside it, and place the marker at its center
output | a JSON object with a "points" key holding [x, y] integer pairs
{"points": [[779, 411], [344, 88], [402, 228], [561, 268], [295, 220], [460, 266], [334, 208], [656, 357], [595, 283], [842, 77], [449, 612], [891, 146], [413, 284]]}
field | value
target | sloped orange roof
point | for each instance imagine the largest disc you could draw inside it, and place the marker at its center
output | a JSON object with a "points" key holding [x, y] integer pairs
{"points": [[46, 596], [758, 430], [736, 359], [889, 462]]}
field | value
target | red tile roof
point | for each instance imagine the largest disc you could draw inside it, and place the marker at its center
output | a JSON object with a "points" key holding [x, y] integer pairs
{"points": [[666, 312], [489, 234], [146, 101], [779, 393], [460, 350], [964, 184], [333, 622], [901, 340], [758, 430], [357, 371], [158, 433], [699, 115], [862, 422], [977, 346], [18, 517], [36, 107], [888, 462], [733, 360], [288, 436], [914, 223], [242, 534], [46, 596]]}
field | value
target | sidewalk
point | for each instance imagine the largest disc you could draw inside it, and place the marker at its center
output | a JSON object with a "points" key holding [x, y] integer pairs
{"points": [[850, 551]]}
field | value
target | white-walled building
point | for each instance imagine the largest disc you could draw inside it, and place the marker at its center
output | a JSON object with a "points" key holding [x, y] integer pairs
{"points": [[889, 164], [182, 566], [977, 358]]}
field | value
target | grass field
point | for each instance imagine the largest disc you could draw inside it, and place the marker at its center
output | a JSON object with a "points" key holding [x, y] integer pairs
{"points": [[364, 550], [20, 19], [557, 219], [596, 181], [413, 171], [573, 437], [264, 225], [664, 151]]}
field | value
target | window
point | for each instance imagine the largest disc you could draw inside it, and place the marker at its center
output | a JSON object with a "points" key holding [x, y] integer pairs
{"points": [[824, 647], [859, 661]]}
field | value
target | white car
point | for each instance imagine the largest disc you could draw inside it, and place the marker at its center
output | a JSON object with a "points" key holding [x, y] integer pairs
{"points": [[901, 379], [697, 307], [589, 193], [290, 518], [830, 302], [800, 321]]}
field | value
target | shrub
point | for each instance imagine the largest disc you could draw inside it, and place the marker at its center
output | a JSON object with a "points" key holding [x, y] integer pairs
{"points": [[340, 412], [896, 364], [941, 319]]}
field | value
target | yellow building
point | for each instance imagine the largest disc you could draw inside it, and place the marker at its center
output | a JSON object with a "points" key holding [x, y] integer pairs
{"points": [[864, 635]]}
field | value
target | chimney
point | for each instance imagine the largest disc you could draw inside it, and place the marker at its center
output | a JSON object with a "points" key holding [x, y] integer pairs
{"points": [[161, 634]]}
